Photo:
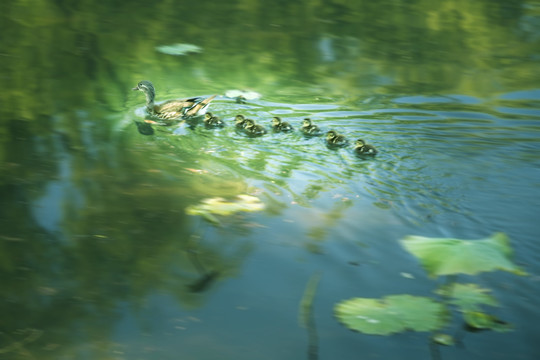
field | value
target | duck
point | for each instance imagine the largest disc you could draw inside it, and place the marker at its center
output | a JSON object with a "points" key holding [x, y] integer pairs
{"points": [[173, 109], [211, 121], [310, 129], [279, 125], [361, 148], [240, 121], [253, 129], [333, 139]]}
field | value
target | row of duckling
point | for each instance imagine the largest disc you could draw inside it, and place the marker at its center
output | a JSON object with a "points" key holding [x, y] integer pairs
{"points": [[251, 128]]}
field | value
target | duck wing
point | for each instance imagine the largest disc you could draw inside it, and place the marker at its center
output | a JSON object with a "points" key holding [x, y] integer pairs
{"points": [[198, 106], [174, 109]]}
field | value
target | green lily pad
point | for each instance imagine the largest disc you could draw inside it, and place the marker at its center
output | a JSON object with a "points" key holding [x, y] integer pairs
{"points": [[480, 321], [446, 256], [468, 297], [392, 314], [219, 206], [179, 49]]}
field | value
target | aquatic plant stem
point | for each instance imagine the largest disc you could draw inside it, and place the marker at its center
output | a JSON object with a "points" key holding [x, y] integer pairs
{"points": [[307, 319]]}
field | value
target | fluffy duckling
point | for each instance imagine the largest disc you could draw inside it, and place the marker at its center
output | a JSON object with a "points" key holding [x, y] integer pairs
{"points": [[333, 139], [310, 129], [211, 121], [173, 109], [278, 125], [253, 129], [361, 148], [240, 121]]}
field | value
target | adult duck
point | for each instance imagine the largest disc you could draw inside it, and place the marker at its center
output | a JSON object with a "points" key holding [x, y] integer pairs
{"points": [[173, 109]]}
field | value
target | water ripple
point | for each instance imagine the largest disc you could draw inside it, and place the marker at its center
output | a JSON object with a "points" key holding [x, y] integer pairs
{"points": [[433, 150]]}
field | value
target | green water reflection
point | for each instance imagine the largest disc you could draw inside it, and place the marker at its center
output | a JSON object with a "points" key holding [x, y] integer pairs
{"points": [[93, 224]]}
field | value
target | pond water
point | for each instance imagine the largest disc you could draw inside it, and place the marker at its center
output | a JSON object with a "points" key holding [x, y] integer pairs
{"points": [[99, 257]]}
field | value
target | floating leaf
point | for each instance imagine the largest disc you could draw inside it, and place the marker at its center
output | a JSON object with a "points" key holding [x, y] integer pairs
{"points": [[179, 49], [392, 314], [445, 256], [468, 297], [480, 321], [220, 206], [443, 339]]}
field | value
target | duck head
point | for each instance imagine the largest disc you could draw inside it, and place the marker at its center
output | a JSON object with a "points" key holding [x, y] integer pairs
{"points": [[360, 143], [332, 134], [148, 89], [248, 124], [239, 119], [276, 121]]}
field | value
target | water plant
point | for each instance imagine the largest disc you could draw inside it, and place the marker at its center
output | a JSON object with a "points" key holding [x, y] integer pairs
{"points": [[439, 257]]}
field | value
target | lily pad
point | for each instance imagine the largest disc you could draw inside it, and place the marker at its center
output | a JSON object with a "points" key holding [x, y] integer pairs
{"points": [[447, 256], [392, 314], [468, 297], [477, 320], [220, 206], [179, 49]]}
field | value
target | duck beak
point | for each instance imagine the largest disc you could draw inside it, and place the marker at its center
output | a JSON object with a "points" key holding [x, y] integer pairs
{"points": [[135, 88]]}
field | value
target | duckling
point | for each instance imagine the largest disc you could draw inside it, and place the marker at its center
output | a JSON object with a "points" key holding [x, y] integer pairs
{"points": [[310, 129], [333, 139], [279, 125], [211, 121], [240, 121], [173, 109], [253, 129], [361, 148]]}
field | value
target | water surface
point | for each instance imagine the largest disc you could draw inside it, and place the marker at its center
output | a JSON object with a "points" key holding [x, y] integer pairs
{"points": [[100, 259]]}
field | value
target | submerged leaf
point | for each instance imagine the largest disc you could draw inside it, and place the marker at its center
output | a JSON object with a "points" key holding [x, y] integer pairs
{"points": [[480, 321], [468, 297], [219, 206], [446, 256], [179, 49], [443, 339], [392, 314]]}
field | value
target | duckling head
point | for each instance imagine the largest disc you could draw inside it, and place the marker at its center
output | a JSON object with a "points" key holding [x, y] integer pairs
{"points": [[276, 121], [332, 134], [306, 123], [208, 116], [360, 143], [239, 119], [248, 124]]}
